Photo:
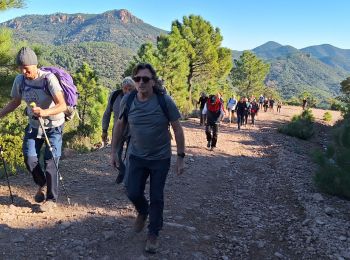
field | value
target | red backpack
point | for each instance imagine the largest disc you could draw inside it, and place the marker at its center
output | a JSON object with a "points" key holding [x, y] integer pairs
{"points": [[213, 104]]}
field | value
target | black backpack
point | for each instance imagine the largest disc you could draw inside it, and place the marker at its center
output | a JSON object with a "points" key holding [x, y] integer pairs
{"points": [[114, 97]]}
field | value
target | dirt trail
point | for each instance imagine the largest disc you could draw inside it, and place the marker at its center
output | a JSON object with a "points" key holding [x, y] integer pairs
{"points": [[251, 198]]}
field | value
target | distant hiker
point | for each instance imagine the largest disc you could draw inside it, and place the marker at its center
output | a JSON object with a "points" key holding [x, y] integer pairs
{"points": [[266, 104], [304, 103], [148, 111], [247, 110], [254, 108], [231, 106], [240, 108], [43, 88], [202, 100], [261, 101], [279, 106], [214, 111], [271, 104], [113, 105]]}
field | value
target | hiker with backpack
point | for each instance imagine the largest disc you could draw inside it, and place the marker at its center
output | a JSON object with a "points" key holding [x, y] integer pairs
{"points": [[113, 106], [201, 102], [231, 106], [148, 111], [254, 108], [215, 112], [241, 108], [43, 88]]}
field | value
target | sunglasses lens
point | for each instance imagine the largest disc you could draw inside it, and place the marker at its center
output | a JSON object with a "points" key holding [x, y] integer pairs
{"points": [[144, 79]]}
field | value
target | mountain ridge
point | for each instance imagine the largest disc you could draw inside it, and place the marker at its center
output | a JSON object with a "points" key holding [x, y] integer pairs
{"points": [[77, 37]]}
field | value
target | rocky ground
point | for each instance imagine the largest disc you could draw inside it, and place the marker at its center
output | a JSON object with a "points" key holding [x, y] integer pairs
{"points": [[251, 198]]}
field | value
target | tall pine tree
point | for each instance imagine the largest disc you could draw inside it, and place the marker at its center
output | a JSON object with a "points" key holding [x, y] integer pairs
{"points": [[248, 74]]}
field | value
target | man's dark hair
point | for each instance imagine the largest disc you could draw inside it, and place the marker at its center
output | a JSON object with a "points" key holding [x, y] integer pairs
{"points": [[142, 66]]}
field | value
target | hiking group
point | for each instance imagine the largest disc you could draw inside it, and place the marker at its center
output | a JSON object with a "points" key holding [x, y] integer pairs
{"points": [[212, 112], [143, 114]]}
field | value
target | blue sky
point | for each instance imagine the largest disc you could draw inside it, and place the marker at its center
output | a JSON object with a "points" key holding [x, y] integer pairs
{"points": [[244, 24]]}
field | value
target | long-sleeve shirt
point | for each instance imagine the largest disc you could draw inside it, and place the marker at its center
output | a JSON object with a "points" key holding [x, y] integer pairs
{"points": [[115, 109]]}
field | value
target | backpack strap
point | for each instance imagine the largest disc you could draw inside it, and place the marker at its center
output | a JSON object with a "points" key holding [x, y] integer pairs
{"points": [[113, 98], [162, 103], [45, 88], [128, 103]]}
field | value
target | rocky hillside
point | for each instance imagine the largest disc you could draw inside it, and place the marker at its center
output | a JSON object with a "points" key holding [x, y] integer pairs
{"points": [[116, 26]]}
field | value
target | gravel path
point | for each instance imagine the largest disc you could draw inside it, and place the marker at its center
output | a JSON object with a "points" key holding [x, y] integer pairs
{"points": [[251, 198]]}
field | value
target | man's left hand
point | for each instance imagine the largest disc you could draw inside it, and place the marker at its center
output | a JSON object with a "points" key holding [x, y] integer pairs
{"points": [[180, 165]]}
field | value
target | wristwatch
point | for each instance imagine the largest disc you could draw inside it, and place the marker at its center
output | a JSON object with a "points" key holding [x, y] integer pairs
{"points": [[182, 155]]}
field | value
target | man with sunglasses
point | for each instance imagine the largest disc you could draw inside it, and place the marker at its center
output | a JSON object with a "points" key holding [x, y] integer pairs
{"points": [[149, 149]]}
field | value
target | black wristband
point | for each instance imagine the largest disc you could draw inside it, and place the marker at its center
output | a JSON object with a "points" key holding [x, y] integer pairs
{"points": [[182, 155]]}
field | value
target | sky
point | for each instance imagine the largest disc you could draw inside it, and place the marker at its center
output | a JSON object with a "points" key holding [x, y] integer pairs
{"points": [[244, 24]]}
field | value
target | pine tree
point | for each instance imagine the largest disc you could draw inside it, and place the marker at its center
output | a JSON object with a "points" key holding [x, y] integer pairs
{"points": [[87, 83], [5, 46], [248, 74], [8, 4]]}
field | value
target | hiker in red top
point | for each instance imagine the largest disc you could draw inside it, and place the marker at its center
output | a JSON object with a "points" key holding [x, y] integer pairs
{"points": [[214, 110]]}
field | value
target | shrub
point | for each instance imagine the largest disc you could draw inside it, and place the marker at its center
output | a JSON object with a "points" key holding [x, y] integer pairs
{"points": [[333, 175], [327, 116], [12, 146], [301, 126]]}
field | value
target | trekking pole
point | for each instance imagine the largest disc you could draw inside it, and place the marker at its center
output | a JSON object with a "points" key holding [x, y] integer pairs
{"points": [[7, 177], [41, 122]]}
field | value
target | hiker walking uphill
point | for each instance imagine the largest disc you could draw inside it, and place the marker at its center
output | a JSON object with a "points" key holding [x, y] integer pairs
{"points": [[214, 111], [231, 106], [43, 88], [254, 109], [113, 106], [240, 108], [148, 111], [202, 100]]}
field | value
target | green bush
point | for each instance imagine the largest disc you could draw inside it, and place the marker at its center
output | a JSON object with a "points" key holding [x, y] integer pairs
{"points": [[301, 126], [12, 146], [333, 175], [327, 117]]}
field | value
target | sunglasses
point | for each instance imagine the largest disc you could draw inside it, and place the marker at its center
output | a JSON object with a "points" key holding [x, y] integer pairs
{"points": [[144, 79]]}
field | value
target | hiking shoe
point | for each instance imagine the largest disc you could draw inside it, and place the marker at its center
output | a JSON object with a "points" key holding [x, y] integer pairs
{"points": [[48, 205], [40, 195], [208, 144], [120, 178], [139, 223], [152, 244]]}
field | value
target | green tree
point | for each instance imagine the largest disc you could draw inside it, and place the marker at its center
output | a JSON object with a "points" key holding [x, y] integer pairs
{"points": [[5, 46], [87, 83], [249, 73], [8, 4], [205, 56]]}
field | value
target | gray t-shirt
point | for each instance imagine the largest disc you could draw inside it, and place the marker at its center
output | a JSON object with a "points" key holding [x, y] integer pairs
{"points": [[148, 127], [33, 91]]}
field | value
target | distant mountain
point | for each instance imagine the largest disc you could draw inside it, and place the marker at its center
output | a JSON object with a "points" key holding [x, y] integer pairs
{"points": [[108, 41], [330, 55], [273, 50], [117, 26], [316, 69]]}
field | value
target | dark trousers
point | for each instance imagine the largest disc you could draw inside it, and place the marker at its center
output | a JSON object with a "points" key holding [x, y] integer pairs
{"points": [[252, 115], [240, 118], [138, 171], [211, 130], [31, 151]]}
